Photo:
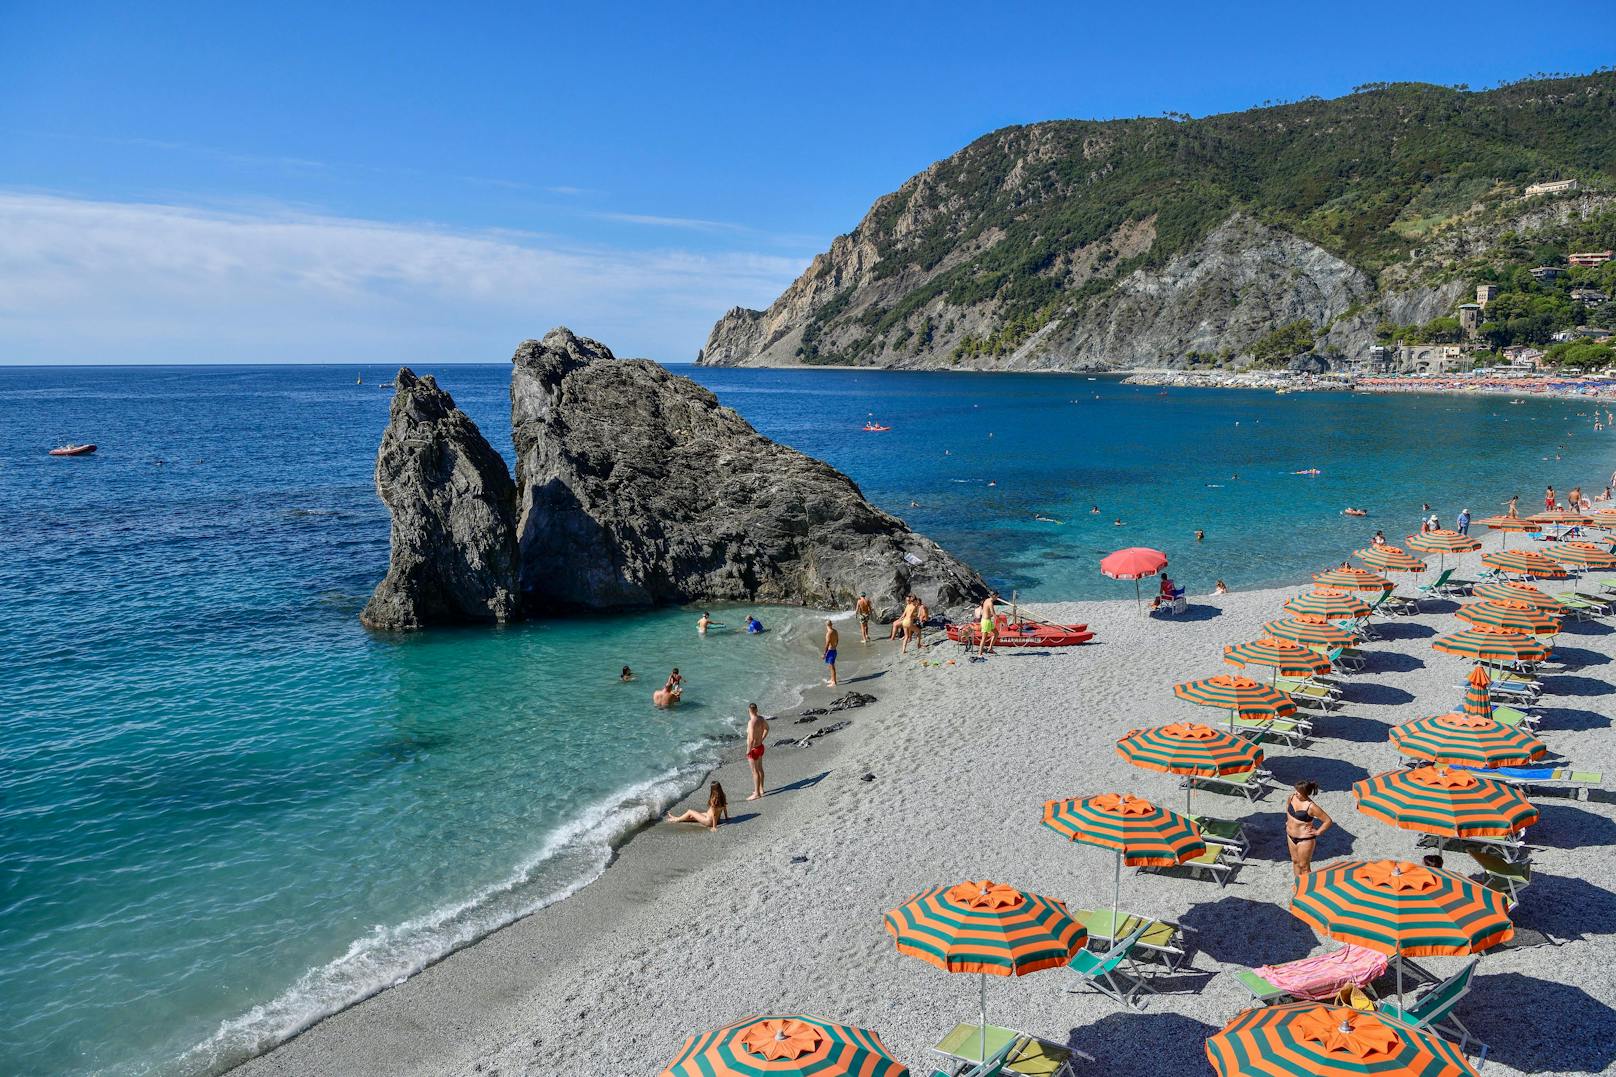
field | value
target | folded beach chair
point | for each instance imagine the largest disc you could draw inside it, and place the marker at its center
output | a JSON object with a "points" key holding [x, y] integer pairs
{"points": [[1230, 832], [1506, 876], [1163, 939], [1251, 784], [1011, 1053], [1105, 973], [1433, 1010]]}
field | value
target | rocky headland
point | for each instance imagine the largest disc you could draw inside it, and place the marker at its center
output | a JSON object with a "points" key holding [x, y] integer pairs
{"points": [[634, 488]]}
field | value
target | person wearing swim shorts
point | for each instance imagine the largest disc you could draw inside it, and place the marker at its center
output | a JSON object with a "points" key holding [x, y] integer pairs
{"points": [[988, 627], [1304, 822], [832, 637], [863, 608], [757, 730]]}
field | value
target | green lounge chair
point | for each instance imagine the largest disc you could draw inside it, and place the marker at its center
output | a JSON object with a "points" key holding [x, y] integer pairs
{"points": [[1252, 784], [1499, 874], [1163, 939], [1437, 588], [1261, 990], [1230, 832], [1105, 973], [1219, 861], [1573, 601], [1293, 731], [1509, 716], [1009, 1052], [1433, 1010]]}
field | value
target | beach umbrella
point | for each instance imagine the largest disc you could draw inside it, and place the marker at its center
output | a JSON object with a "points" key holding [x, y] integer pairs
{"points": [[1329, 603], [1448, 803], [1478, 699], [1140, 833], [1442, 542], [1523, 563], [1133, 563], [1507, 524], [1284, 657], [1469, 740], [988, 928], [1348, 578], [1312, 1039], [1310, 629], [1561, 518], [1516, 616], [1242, 697], [1399, 908], [1605, 518], [1189, 748], [1511, 591], [1495, 645], [1584, 555], [770, 1045], [1389, 559]]}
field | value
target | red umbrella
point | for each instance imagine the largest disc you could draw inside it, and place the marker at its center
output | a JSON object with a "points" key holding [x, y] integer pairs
{"points": [[1134, 563]]}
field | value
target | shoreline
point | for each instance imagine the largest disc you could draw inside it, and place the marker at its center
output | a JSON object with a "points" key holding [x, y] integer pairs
{"points": [[694, 929]]}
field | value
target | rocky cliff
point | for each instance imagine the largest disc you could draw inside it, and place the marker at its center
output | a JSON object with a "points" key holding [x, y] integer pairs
{"points": [[1155, 242], [637, 488], [454, 522]]}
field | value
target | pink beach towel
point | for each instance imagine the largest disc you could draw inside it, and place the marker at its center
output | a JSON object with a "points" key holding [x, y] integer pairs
{"points": [[1322, 977]]}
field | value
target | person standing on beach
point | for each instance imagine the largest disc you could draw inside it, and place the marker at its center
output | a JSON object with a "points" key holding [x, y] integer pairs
{"points": [[757, 730], [1464, 521], [1304, 822], [1574, 499], [989, 626], [922, 615], [1548, 500], [863, 608], [831, 639]]}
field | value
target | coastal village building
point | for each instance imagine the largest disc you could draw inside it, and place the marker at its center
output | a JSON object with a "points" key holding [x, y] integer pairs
{"points": [[1469, 317], [1589, 297], [1523, 355], [1552, 187], [1543, 274], [1583, 332], [1485, 293], [1589, 258], [1432, 358]]}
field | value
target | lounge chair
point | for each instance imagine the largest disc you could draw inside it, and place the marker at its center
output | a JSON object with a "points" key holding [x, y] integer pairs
{"points": [[1346, 659], [1164, 939], [1572, 600], [1437, 588], [1219, 861], [1251, 784], [1266, 991], [1105, 973], [1308, 686], [1294, 731], [1505, 876], [1010, 1052], [1261, 990], [1433, 1010], [1509, 716], [1230, 832], [1542, 777]]}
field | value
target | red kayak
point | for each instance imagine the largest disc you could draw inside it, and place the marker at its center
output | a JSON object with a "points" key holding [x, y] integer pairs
{"points": [[1023, 634], [73, 450]]}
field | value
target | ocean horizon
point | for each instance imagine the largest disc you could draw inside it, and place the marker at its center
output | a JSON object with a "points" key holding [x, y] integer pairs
{"points": [[229, 810]]}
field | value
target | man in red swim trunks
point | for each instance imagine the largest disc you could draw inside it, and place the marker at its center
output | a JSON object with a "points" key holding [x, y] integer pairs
{"points": [[757, 729]]}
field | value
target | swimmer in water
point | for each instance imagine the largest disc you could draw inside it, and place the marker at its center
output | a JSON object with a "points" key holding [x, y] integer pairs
{"points": [[704, 622]]}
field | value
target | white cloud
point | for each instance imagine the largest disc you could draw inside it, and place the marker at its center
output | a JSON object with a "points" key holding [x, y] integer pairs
{"points": [[86, 281]]}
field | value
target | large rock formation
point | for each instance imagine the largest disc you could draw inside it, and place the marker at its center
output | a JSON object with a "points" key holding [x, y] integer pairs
{"points": [[638, 488], [454, 524]]}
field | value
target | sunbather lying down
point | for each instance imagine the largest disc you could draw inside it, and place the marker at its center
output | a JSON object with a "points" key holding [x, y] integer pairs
{"points": [[717, 810]]}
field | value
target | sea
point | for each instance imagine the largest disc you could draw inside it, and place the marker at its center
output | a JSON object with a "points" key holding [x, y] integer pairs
{"points": [[227, 809]]}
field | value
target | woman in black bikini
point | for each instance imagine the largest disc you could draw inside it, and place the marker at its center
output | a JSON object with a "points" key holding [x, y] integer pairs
{"points": [[1304, 822]]}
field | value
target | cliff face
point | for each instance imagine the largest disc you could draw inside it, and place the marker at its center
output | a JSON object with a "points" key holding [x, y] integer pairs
{"points": [[454, 525], [638, 488], [1076, 244]]}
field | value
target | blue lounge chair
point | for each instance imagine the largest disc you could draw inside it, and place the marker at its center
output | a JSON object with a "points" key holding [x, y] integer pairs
{"points": [[1105, 972]]}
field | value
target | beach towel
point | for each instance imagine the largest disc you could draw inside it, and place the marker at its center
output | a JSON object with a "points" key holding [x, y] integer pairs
{"points": [[1322, 977]]}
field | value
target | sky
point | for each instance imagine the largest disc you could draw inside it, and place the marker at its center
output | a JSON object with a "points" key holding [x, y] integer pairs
{"points": [[432, 183]]}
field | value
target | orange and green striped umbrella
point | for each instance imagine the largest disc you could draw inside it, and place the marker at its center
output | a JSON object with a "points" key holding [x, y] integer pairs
{"points": [[1497, 645], [1396, 907], [1284, 657], [1470, 740], [784, 1045], [1310, 629], [1516, 616], [1189, 748], [1312, 1039], [1139, 832], [1506, 524], [1242, 697], [988, 928], [1563, 517], [1605, 518], [1584, 555], [1511, 591], [1349, 578], [1451, 803], [1389, 559], [1328, 602], [1523, 563], [1478, 700], [1442, 541]]}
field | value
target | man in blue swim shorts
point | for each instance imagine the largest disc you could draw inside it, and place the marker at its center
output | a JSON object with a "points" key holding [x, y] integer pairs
{"points": [[831, 639]]}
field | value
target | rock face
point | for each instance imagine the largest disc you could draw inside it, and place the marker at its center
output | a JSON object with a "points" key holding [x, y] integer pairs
{"points": [[637, 488], [454, 523]]}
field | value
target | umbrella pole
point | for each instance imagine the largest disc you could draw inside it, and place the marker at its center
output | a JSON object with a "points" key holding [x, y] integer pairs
{"points": [[1116, 903], [982, 1042], [1138, 599], [1397, 956]]}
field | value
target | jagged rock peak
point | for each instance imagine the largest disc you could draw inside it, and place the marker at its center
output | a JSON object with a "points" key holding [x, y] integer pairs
{"points": [[636, 487], [452, 504]]}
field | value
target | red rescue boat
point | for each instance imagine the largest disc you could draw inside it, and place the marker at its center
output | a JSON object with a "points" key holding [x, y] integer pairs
{"points": [[1023, 634], [73, 450]]}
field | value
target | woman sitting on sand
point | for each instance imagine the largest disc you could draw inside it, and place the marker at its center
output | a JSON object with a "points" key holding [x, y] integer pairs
{"points": [[717, 810], [1221, 588]]}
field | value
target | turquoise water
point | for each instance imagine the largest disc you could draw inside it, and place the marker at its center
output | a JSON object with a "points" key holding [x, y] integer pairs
{"points": [[226, 809]]}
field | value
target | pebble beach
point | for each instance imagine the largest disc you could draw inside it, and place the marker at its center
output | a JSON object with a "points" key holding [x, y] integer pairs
{"points": [[943, 779]]}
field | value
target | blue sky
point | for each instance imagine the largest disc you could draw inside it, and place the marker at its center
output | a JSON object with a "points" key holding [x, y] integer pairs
{"points": [[432, 183]]}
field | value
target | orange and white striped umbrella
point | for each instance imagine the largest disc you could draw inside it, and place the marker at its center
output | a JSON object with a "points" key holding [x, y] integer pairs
{"points": [[1515, 616], [1311, 1039], [1389, 559], [785, 1045], [1523, 563], [1449, 803], [1349, 578]]}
